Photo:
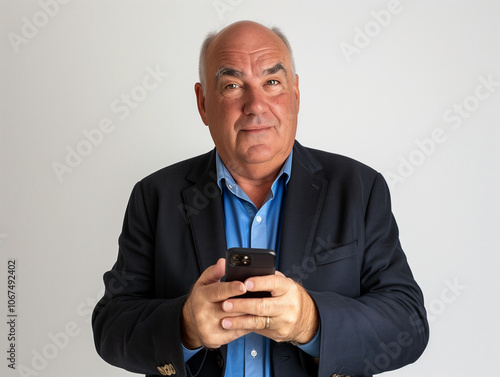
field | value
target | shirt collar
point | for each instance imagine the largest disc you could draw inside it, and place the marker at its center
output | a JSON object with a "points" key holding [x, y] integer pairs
{"points": [[224, 175]]}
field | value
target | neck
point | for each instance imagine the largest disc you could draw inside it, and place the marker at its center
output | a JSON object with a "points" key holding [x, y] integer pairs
{"points": [[256, 179], [256, 186]]}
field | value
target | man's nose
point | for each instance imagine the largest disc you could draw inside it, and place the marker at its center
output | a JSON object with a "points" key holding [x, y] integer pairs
{"points": [[255, 101]]}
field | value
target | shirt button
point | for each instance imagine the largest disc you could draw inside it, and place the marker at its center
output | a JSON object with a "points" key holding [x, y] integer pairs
{"points": [[253, 353], [259, 219], [230, 186], [220, 361]]}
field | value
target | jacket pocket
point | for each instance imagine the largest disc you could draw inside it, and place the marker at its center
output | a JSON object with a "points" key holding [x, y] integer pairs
{"points": [[335, 254]]}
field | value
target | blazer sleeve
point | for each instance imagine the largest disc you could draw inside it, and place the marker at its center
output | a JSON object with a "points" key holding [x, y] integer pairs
{"points": [[133, 329], [385, 327]]}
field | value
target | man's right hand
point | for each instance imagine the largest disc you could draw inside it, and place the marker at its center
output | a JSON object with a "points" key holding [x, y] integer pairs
{"points": [[202, 312]]}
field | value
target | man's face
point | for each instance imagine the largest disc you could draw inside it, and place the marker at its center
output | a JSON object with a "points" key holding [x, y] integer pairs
{"points": [[251, 99]]}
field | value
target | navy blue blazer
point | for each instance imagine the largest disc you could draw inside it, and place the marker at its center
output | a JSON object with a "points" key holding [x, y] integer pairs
{"points": [[339, 240]]}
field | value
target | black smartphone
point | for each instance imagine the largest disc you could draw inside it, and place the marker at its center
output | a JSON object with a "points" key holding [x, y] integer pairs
{"points": [[242, 263]]}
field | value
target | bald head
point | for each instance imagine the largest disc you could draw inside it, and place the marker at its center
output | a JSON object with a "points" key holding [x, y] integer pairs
{"points": [[242, 34]]}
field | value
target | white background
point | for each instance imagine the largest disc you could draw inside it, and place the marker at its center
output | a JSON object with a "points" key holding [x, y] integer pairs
{"points": [[377, 105]]}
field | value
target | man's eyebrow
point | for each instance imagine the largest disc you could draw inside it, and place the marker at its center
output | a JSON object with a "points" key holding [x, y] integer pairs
{"points": [[275, 69], [225, 71]]}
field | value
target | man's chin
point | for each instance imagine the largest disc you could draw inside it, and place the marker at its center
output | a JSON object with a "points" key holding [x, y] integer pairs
{"points": [[259, 154]]}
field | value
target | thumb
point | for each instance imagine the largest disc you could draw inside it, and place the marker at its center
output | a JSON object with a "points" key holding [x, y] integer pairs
{"points": [[213, 274]]}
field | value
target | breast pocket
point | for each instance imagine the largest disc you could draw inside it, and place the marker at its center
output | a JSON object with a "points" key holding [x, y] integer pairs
{"points": [[337, 270], [336, 254]]}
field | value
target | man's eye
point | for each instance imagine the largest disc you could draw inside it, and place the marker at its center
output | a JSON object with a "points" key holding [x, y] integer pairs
{"points": [[272, 82], [231, 86]]}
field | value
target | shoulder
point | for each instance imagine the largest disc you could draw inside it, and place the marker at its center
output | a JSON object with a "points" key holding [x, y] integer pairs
{"points": [[332, 165], [347, 178], [181, 174]]}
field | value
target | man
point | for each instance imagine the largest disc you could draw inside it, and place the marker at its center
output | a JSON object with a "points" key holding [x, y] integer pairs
{"points": [[344, 301]]}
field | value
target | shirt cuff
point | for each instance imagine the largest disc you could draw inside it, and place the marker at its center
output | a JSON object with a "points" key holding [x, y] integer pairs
{"points": [[312, 347], [189, 353]]}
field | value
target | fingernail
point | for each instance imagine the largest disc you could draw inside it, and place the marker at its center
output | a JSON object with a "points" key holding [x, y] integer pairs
{"points": [[249, 284], [226, 324], [228, 306]]}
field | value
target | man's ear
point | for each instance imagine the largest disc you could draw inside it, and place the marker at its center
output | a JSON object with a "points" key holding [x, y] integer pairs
{"points": [[296, 90], [200, 101]]}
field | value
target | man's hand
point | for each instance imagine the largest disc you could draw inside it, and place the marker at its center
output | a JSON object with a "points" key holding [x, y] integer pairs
{"points": [[293, 316], [202, 313]]}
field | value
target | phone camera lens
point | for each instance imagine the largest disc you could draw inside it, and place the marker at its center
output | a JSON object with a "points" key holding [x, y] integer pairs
{"points": [[235, 259], [240, 260]]}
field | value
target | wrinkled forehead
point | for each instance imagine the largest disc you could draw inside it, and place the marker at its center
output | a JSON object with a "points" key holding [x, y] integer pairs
{"points": [[248, 54], [255, 62]]}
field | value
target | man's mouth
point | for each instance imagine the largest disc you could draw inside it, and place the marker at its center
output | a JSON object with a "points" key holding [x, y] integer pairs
{"points": [[256, 129]]}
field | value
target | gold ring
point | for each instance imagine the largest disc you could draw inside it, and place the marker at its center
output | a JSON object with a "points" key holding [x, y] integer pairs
{"points": [[268, 324]]}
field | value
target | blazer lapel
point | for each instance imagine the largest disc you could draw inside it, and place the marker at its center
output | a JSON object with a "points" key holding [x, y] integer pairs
{"points": [[205, 212], [305, 196]]}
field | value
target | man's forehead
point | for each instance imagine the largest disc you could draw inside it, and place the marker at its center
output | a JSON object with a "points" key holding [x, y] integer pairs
{"points": [[235, 72], [264, 61], [259, 47]]}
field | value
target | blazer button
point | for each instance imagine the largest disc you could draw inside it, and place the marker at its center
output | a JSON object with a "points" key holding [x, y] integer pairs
{"points": [[166, 370]]}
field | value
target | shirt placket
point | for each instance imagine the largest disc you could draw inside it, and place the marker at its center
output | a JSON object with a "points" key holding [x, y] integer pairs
{"points": [[254, 352], [258, 232]]}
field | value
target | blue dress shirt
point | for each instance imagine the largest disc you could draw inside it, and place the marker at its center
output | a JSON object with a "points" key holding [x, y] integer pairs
{"points": [[249, 226]]}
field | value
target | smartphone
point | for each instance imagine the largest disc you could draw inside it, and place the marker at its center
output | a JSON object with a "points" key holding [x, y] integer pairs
{"points": [[242, 263]]}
